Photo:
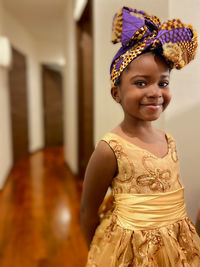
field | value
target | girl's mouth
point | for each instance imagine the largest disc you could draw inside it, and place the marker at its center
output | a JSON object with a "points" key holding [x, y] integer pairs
{"points": [[152, 106]]}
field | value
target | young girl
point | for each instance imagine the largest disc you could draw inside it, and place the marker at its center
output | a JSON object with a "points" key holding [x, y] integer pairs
{"points": [[147, 223]]}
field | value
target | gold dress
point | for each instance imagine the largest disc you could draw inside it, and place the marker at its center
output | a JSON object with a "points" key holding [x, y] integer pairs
{"points": [[147, 225]]}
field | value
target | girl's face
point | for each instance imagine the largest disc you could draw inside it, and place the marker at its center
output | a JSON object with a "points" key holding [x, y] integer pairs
{"points": [[144, 88]]}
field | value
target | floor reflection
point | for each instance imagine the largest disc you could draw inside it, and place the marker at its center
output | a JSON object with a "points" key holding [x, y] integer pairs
{"points": [[39, 222]]}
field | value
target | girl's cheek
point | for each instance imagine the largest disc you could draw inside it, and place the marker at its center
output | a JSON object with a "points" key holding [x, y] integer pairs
{"points": [[130, 106], [169, 97], [128, 101], [167, 101]]}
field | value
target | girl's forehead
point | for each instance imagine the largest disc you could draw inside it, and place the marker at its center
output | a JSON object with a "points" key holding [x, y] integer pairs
{"points": [[148, 62]]}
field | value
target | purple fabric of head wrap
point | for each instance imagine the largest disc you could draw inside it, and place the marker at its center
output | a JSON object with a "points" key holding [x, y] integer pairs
{"points": [[137, 31]]}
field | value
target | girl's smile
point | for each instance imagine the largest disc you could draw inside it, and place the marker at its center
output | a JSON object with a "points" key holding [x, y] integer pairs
{"points": [[152, 106]]}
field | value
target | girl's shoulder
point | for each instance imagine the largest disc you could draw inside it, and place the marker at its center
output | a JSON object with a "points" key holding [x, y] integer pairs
{"points": [[170, 141], [113, 140], [167, 135], [170, 138], [118, 144], [109, 137]]}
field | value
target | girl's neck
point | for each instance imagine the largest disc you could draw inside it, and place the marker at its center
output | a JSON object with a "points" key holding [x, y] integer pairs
{"points": [[136, 127]]}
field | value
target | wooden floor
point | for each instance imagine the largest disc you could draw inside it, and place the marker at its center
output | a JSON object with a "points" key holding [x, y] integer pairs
{"points": [[39, 219]]}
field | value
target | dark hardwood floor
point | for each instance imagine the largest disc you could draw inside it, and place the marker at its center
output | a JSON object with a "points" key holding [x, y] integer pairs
{"points": [[39, 214]]}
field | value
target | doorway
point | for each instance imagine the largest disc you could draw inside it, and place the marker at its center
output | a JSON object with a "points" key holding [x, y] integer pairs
{"points": [[17, 79], [85, 88], [53, 105]]}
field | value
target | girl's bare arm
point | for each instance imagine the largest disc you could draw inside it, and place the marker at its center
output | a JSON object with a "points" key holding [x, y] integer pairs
{"points": [[99, 173]]}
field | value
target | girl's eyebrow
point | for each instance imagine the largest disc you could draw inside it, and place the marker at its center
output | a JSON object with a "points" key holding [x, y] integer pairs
{"points": [[148, 76], [139, 76], [165, 76]]}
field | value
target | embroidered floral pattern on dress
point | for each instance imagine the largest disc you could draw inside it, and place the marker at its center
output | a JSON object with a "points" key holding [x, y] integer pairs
{"points": [[153, 240], [118, 190], [125, 166], [172, 147], [149, 178], [156, 179]]}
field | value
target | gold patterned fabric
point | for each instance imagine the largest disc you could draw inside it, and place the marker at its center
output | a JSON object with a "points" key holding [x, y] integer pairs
{"points": [[146, 225]]}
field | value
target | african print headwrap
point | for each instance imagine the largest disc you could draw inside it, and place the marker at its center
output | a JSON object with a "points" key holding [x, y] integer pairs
{"points": [[137, 31]]}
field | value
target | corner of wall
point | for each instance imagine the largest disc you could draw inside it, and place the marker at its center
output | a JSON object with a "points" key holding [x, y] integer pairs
{"points": [[5, 133], [70, 92]]}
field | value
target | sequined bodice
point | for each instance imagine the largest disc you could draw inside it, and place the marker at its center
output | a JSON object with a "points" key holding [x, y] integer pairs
{"points": [[139, 171]]}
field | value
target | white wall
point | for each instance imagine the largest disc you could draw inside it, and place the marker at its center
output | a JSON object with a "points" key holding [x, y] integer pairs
{"points": [[182, 116], [5, 132], [35, 105], [107, 113], [70, 92], [49, 51], [22, 40], [5, 124]]}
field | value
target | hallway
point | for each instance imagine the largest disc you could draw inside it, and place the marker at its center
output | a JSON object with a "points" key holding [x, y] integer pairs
{"points": [[39, 222]]}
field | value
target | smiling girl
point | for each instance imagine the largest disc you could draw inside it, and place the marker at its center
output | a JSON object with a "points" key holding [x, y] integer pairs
{"points": [[147, 224]]}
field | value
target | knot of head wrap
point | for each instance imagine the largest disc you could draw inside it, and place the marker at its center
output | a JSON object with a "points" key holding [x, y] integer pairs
{"points": [[137, 31]]}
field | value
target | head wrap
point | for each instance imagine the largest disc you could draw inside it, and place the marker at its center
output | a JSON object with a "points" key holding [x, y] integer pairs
{"points": [[138, 32]]}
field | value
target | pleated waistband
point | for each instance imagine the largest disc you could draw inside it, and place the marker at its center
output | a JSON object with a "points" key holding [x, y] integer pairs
{"points": [[149, 211]]}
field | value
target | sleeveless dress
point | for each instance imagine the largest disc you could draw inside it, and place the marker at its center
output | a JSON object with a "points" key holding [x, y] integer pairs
{"points": [[147, 225]]}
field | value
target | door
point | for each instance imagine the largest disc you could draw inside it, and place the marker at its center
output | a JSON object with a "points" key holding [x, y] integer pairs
{"points": [[18, 104], [85, 88], [53, 106]]}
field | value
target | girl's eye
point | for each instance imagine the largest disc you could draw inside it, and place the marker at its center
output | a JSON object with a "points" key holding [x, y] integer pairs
{"points": [[140, 84], [163, 84]]}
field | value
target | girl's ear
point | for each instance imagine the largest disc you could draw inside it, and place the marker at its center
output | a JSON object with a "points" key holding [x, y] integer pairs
{"points": [[115, 92]]}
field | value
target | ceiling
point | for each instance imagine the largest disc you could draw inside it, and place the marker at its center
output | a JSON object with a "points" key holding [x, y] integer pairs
{"points": [[43, 18]]}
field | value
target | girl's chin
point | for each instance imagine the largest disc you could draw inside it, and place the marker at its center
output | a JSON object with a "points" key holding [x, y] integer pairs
{"points": [[152, 117]]}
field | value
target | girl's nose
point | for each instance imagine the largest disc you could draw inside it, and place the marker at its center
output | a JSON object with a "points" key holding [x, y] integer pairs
{"points": [[154, 91]]}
